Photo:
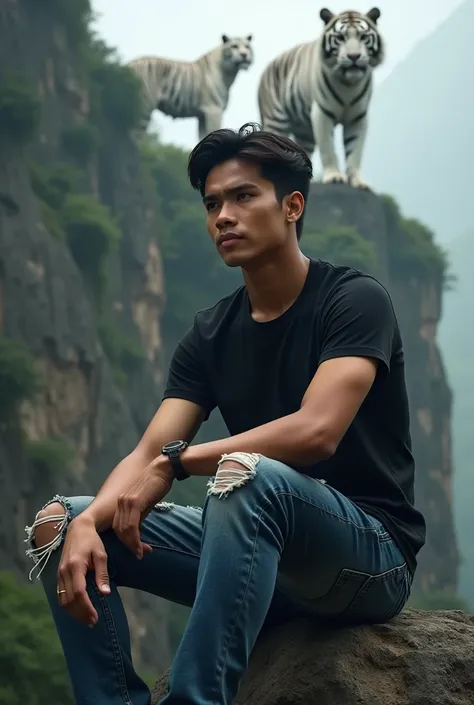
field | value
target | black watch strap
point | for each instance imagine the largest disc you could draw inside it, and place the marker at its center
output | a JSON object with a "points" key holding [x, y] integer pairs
{"points": [[173, 450]]}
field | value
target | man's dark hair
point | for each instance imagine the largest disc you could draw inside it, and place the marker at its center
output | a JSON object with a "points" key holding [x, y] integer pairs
{"points": [[280, 160]]}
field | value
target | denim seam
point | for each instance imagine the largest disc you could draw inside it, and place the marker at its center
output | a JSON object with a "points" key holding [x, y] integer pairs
{"points": [[233, 626], [176, 550], [325, 511], [115, 644]]}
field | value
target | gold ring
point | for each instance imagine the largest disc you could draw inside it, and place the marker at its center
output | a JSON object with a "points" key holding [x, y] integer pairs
{"points": [[58, 592]]}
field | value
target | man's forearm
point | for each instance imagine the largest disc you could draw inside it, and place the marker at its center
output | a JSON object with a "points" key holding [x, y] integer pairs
{"points": [[102, 509], [293, 439], [175, 418]]}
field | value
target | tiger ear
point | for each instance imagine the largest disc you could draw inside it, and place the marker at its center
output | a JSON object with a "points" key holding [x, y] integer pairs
{"points": [[326, 15], [374, 14], [250, 37], [225, 38]]}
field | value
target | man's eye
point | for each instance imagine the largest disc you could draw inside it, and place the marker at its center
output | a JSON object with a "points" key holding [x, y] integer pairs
{"points": [[210, 205], [243, 196]]}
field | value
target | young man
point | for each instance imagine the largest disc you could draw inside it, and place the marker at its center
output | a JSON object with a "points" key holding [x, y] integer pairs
{"points": [[310, 506]]}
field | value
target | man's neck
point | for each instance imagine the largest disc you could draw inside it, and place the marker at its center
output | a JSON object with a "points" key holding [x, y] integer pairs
{"points": [[274, 285]]}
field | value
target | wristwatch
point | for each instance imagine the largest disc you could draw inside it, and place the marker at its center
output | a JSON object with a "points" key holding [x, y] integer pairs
{"points": [[173, 450]]}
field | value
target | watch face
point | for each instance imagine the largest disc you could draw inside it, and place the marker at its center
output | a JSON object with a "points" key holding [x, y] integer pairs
{"points": [[172, 445]]}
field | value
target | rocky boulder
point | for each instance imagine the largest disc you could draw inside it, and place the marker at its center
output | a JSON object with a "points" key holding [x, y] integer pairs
{"points": [[419, 658]]}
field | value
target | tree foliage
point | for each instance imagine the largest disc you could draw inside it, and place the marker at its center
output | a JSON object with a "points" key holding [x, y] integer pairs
{"points": [[80, 142], [19, 108], [92, 233], [53, 183], [342, 245], [19, 379], [32, 664], [115, 90], [412, 247]]}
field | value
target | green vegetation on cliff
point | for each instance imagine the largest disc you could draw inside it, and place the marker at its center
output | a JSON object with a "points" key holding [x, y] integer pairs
{"points": [[415, 251], [92, 234], [19, 108], [19, 379], [31, 659], [50, 461], [81, 142], [341, 244]]}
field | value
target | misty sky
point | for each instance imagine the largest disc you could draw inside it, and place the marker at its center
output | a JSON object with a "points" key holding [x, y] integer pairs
{"points": [[184, 29]]}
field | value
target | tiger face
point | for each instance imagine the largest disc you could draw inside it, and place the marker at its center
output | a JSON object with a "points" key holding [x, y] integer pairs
{"points": [[237, 53], [351, 43]]}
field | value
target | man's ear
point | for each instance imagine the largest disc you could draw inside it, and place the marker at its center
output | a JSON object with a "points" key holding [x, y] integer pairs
{"points": [[294, 206]]}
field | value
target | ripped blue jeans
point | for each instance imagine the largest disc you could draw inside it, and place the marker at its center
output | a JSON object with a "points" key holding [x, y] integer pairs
{"points": [[270, 544]]}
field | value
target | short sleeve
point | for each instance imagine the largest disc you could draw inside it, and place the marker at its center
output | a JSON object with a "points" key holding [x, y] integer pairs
{"points": [[359, 319], [187, 377]]}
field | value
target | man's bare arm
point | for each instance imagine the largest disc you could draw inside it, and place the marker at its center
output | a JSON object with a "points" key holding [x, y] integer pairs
{"points": [[305, 437], [175, 419]]}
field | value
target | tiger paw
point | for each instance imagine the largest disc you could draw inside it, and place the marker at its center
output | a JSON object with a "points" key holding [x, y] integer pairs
{"points": [[356, 182], [333, 176]]}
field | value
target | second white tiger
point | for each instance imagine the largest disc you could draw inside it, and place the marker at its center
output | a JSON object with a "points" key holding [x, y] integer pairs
{"points": [[201, 88], [305, 92]]}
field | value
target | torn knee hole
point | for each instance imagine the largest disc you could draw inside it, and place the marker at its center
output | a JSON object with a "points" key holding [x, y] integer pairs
{"points": [[46, 532], [233, 470], [47, 524]]}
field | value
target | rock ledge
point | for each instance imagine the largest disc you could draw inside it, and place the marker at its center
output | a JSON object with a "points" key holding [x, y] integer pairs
{"points": [[419, 658]]}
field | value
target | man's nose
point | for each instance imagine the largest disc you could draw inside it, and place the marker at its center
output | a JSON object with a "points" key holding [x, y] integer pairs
{"points": [[226, 217]]}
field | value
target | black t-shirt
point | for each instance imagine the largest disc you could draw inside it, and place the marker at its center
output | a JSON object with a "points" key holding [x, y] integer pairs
{"points": [[257, 372]]}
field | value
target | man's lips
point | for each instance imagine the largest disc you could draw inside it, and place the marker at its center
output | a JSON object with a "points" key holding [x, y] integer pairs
{"points": [[227, 237]]}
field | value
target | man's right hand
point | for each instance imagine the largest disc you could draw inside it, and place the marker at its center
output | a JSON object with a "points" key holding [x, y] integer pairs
{"points": [[83, 551]]}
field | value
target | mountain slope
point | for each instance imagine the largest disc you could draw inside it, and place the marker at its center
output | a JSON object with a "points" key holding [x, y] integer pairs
{"points": [[420, 146], [456, 336]]}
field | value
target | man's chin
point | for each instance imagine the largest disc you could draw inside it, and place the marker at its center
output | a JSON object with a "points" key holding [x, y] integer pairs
{"points": [[233, 259]]}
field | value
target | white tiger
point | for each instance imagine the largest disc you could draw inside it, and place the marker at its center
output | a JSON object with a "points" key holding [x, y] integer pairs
{"points": [[200, 88], [308, 90]]}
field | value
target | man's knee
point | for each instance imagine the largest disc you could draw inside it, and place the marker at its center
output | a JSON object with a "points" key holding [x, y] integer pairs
{"points": [[233, 470], [236, 470], [47, 524]]}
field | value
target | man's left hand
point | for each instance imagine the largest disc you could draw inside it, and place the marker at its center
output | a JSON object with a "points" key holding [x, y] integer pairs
{"points": [[137, 502]]}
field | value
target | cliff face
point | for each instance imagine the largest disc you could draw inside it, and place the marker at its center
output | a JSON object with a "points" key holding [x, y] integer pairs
{"points": [[46, 302], [412, 271]]}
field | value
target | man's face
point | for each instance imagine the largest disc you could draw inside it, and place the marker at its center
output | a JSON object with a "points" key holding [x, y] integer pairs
{"points": [[244, 217]]}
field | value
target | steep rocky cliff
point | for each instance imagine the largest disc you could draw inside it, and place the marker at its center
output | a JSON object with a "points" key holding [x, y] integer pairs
{"points": [[99, 364]]}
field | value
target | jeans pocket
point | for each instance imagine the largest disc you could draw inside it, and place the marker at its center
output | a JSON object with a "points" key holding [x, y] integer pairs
{"points": [[345, 592], [383, 597]]}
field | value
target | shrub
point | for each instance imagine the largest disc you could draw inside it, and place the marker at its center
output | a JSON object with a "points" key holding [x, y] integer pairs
{"points": [[412, 246], [51, 457], [75, 16], [19, 108], [92, 233], [52, 184], [342, 245], [31, 659], [123, 353], [19, 379], [116, 91], [81, 142]]}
